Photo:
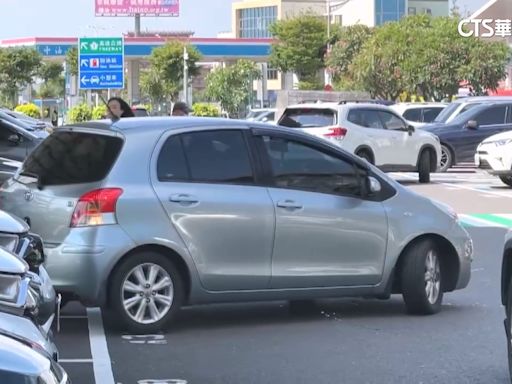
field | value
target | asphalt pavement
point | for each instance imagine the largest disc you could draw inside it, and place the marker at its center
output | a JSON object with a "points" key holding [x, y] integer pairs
{"points": [[330, 341]]}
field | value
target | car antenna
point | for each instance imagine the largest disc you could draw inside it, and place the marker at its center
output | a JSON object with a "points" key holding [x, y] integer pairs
{"points": [[113, 117]]}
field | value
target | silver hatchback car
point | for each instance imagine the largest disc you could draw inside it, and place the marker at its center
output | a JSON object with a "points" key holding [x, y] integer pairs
{"points": [[145, 215]]}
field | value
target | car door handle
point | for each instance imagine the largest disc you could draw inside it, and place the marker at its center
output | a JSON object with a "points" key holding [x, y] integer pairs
{"points": [[289, 204], [183, 198]]}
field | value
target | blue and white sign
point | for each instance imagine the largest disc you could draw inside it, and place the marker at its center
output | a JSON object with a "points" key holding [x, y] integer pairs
{"points": [[101, 63]]}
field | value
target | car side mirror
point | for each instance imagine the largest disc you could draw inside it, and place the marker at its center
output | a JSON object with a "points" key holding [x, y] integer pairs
{"points": [[14, 139], [472, 124], [373, 185], [410, 129]]}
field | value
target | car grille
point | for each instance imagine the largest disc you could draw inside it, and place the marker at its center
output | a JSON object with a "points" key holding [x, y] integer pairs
{"points": [[482, 153]]}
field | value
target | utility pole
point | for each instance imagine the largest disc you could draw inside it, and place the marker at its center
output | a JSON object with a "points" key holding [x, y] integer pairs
{"points": [[185, 74], [327, 75]]}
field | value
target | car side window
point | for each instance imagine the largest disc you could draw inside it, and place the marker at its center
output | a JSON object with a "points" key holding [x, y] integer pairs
{"points": [[492, 116], [172, 164], [298, 166], [392, 122], [219, 156], [367, 118], [6, 131], [429, 114], [413, 114]]}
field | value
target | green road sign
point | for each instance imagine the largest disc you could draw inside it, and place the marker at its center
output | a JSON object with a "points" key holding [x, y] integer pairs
{"points": [[92, 45]]}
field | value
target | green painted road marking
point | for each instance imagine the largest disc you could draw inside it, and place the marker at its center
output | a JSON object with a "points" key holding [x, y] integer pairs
{"points": [[494, 218]]}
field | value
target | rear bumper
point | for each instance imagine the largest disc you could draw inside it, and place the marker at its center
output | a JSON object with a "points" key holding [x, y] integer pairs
{"points": [[80, 266]]}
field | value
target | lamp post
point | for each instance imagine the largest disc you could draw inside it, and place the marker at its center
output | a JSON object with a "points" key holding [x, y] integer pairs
{"points": [[185, 74]]}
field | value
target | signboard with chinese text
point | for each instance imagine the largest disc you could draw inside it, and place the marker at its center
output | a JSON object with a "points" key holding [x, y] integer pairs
{"points": [[169, 8], [101, 63]]}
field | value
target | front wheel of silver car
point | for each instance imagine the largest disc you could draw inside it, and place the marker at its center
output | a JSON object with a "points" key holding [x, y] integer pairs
{"points": [[421, 278], [146, 292]]}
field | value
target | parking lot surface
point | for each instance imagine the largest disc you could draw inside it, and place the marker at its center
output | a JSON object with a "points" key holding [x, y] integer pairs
{"points": [[329, 341]]}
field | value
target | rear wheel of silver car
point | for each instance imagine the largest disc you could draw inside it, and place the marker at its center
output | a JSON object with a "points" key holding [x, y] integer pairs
{"points": [[424, 167], [506, 180], [446, 159], [508, 325], [421, 278], [146, 292]]}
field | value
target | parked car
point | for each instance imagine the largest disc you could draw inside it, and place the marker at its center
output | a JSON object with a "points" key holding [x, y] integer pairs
{"points": [[140, 111], [150, 214], [264, 115], [20, 302], [418, 114], [17, 140], [21, 362], [494, 154], [16, 117], [506, 295], [460, 138], [371, 131], [461, 105]]}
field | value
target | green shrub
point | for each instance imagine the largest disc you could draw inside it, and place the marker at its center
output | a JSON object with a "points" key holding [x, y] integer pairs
{"points": [[80, 113], [204, 109], [31, 110], [99, 112]]}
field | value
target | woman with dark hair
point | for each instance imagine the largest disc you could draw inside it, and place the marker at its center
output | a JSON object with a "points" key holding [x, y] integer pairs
{"points": [[119, 108]]}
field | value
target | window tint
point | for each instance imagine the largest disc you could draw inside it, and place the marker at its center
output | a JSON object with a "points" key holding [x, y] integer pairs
{"points": [[298, 166], [172, 164], [367, 118], [413, 114], [491, 116], [307, 117], [218, 156], [468, 107], [391, 121], [5, 131], [429, 114], [73, 158]]}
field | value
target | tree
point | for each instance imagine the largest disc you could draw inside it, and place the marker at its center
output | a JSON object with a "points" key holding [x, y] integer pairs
{"points": [[18, 67], [167, 65], [53, 80], [205, 109], [348, 45], [232, 86], [72, 61], [153, 88], [300, 46]]}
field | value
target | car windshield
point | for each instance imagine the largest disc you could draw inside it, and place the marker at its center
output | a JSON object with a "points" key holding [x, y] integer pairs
{"points": [[447, 112], [468, 114], [308, 117]]}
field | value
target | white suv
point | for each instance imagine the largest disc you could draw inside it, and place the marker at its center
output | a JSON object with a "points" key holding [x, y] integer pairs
{"points": [[371, 131], [494, 154]]}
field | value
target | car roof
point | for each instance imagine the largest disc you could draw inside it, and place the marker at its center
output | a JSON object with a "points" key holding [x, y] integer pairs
{"points": [[420, 105], [474, 99], [328, 105]]}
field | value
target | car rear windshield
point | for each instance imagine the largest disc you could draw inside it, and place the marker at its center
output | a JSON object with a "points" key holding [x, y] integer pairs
{"points": [[308, 117], [72, 158]]}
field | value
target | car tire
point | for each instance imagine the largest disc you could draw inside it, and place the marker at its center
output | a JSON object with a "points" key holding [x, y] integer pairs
{"points": [[421, 266], [158, 305], [446, 159], [424, 167], [506, 180], [508, 325], [365, 154]]}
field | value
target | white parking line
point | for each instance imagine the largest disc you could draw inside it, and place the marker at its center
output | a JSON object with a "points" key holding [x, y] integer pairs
{"points": [[99, 350], [75, 361]]}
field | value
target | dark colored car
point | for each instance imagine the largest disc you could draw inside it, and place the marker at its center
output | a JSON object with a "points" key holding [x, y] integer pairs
{"points": [[17, 140], [506, 295], [460, 138]]}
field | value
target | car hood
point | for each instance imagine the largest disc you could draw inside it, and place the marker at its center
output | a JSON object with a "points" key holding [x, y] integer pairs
{"points": [[500, 136], [435, 127]]}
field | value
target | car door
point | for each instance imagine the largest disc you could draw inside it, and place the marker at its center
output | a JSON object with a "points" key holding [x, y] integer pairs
{"points": [[12, 153], [374, 133], [206, 182], [405, 146], [490, 121], [326, 234]]}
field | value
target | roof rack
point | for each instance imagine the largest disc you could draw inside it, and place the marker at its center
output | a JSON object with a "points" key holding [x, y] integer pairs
{"points": [[316, 101], [370, 101]]}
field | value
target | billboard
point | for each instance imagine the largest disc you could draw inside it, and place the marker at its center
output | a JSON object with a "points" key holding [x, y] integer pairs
{"points": [[169, 8]]}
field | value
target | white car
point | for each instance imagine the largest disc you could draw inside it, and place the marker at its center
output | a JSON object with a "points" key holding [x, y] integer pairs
{"points": [[494, 154], [372, 131], [418, 114]]}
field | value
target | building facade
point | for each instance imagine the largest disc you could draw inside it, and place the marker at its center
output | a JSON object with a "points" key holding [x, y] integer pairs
{"points": [[377, 12]]}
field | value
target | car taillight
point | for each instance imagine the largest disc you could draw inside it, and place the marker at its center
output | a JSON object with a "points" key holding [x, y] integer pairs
{"points": [[336, 133], [97, 207]]}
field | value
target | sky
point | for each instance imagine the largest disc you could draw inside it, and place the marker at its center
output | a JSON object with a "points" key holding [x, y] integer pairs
{"points": [[70, 18]]}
